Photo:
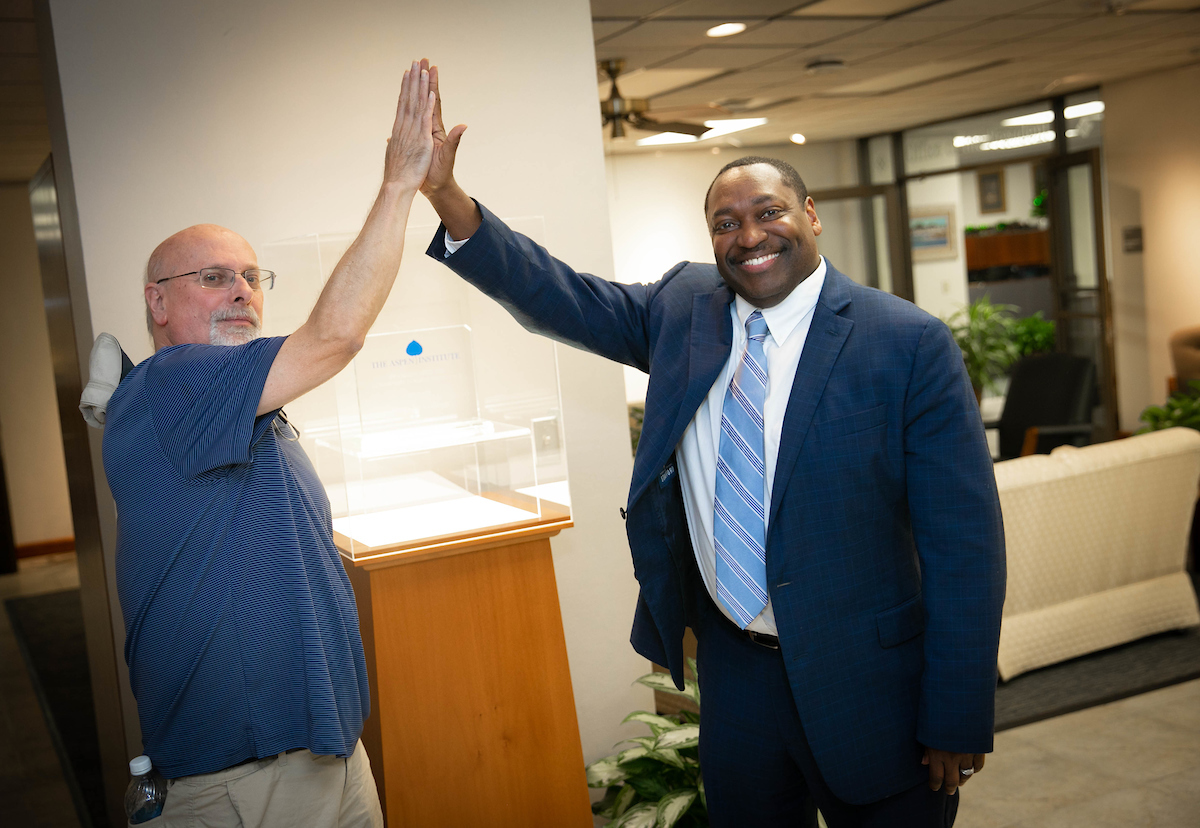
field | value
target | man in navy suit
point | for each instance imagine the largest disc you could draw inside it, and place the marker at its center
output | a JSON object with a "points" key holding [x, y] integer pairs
{"points": [[844, 573]]}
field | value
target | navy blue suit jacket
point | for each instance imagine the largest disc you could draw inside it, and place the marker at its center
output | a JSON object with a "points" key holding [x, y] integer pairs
{"points": [[885, 547]]}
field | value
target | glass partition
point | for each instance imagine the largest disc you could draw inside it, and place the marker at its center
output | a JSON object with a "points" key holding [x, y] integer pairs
{"points": [[996, 137], [447, 425]]}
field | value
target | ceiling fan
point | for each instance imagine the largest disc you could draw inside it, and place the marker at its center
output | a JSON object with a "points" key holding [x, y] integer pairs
{"points": [[619, 111]]}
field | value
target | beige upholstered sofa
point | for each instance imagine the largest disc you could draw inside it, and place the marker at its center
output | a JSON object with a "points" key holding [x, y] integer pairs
{"points": [[1097, 544]]}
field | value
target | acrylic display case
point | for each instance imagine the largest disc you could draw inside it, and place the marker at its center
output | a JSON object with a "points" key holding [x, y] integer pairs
{"points": [[446, 426]]}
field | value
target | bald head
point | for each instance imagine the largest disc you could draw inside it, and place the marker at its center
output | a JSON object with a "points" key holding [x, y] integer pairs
{"points": [[173, 307], [185, 244]]}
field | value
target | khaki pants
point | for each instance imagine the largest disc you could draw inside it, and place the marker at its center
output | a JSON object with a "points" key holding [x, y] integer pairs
{"points": [[284, 791]]}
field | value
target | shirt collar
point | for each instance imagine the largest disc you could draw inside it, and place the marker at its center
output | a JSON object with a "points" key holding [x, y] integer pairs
{"points": [[784, 317]]}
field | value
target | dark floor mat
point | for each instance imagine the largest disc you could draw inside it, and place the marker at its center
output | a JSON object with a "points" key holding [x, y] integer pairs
{"points": [[49, 632], [1098, 678]]}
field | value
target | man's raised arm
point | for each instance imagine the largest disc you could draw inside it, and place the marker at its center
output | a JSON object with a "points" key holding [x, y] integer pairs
{"points": [[355, 293]]}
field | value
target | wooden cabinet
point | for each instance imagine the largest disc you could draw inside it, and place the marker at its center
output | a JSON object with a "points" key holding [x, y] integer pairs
{"points": [[1004, 249]]}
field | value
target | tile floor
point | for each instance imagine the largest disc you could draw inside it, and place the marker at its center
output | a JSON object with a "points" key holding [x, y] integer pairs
{"points": [[1129, 764]]}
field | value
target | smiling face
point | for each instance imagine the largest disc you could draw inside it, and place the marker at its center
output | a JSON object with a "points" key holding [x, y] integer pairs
{"points": [[184, 312], [763, 236]]}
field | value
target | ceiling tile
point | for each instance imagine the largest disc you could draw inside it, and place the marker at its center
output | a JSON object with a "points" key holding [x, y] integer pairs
{"points": [[1013, 28], [728, 58], [1113, 26], [798, 32], [662, 34], [857, 8], [1065, 8], [973, 9], [730, 9], [639, 59], [607, 28], [646, 83], [903, 31], [628, 8]]}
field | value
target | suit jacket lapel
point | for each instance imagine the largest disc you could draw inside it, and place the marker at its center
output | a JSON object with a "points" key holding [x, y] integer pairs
{"points": [[710, 341], [826, 336]]}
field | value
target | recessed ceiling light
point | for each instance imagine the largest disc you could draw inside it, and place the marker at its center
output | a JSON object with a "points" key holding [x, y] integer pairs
{"points": [[726, 29], [824, 66], [797, 138]]}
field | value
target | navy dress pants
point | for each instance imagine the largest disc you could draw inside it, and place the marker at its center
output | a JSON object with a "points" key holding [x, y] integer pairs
{"points": [[758, 768]]}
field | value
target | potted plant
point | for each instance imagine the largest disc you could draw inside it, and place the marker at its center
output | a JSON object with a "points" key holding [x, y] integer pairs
{"points": [[655, 782], [1181, 409], [1033, 335], [984, 332]]}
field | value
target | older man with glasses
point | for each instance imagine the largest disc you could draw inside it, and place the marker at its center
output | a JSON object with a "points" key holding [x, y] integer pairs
{"points": [[242, 637]]}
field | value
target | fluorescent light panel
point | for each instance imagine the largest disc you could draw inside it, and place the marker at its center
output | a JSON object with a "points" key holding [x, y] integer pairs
{"points": [[1047, 117], [715, 130]]}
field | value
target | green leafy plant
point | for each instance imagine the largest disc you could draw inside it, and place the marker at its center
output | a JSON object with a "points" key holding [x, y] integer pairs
{"points": [[1033, 335], [1181, 409], [656, 782], [1038, 210], [984, 332], [637, 413]]}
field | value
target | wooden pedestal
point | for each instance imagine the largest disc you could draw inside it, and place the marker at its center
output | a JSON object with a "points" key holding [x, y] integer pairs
{"points": [[473, 718]]}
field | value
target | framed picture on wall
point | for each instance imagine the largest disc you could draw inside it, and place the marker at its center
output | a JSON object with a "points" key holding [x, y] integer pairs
{"points": [[932, 232], [990, 184]]}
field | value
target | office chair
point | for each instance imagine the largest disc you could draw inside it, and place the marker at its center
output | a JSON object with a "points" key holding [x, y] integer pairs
{"points": [[1049, 403]]}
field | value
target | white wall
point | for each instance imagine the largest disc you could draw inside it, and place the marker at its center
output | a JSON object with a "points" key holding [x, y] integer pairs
{"points": [[1018, 197], [1152, 166], [940, 286], [29, 428], [656, 205], [271, 118]]}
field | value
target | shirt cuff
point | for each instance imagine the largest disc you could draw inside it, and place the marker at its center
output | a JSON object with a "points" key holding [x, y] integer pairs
{"points": [[452, 245]]}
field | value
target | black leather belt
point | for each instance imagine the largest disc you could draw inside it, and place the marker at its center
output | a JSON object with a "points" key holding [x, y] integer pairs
{"points": [[762, 639], [260, 758]]}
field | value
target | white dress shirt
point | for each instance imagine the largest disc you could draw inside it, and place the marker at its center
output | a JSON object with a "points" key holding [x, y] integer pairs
{"points": [[788, 323]]}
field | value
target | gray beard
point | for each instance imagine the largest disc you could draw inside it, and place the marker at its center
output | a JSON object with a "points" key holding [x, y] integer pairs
{"points": [[233, 336]]}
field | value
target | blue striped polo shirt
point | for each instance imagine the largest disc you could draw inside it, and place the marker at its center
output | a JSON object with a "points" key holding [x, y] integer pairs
{"points": [[241, 633]]}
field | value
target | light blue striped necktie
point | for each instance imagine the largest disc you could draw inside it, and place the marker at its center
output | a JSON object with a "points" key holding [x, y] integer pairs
{"points": [[739, 525]]}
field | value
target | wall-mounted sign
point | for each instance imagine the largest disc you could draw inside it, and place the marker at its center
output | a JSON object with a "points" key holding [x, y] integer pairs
{"points": [[1131, 239]]}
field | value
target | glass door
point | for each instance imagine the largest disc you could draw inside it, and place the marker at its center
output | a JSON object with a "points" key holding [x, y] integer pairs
{"points": [[860, 236], [1078, 273]]}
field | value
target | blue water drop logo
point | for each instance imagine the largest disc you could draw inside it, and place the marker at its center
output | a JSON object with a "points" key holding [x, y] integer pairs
{"points": [[414, 348]]}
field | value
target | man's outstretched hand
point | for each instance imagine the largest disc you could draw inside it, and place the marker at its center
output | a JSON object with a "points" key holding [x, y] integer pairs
{"points": [[945, 768], [445, 145], [411, 145], [456, 209]]}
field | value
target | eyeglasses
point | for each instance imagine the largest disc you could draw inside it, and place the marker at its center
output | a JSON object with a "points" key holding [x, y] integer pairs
{"points": [[222, 278]]}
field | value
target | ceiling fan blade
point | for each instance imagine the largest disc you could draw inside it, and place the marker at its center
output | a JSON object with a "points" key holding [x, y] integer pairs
{"points": [[671, 126]]}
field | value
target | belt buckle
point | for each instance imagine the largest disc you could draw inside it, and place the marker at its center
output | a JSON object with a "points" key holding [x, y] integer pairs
{"points": [[763, 640]]}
